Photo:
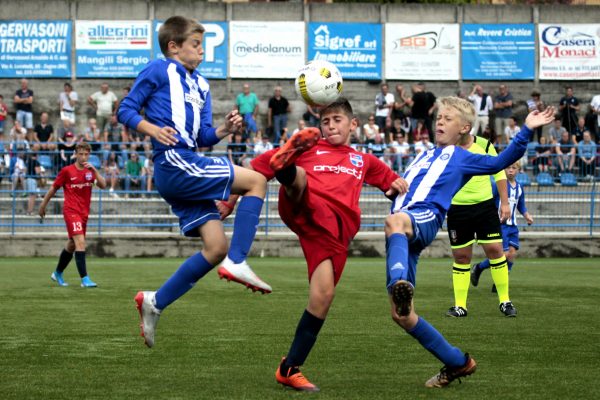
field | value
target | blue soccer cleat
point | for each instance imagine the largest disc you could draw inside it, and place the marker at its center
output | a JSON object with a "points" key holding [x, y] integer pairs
{"points": [[58, 278], [86, 282]]}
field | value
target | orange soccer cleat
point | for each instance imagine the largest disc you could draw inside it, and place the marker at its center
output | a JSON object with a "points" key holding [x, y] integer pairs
{"points": [[293, 378], [293, 148]]}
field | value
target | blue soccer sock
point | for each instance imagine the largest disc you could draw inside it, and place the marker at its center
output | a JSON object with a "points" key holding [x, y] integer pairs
{"points": [[485, 264], [396, 258], [182, 280], [510, 264], [244, 227], [437, 345], [304, 340]]}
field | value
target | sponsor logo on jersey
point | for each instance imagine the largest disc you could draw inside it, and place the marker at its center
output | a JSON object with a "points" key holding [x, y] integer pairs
{"points": [[80, 185], [88, 176], [356, 160], [338, 169], [194, 98], [319, 152]]}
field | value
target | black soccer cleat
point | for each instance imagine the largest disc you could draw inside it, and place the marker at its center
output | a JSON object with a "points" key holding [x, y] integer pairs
{"points": [[475, 274], [402, 294], [449, 374], [508, 309], [456, 312]]}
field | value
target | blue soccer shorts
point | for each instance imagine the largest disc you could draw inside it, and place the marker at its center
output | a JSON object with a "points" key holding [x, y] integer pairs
{"points": [[191, 183], [510, 237]]}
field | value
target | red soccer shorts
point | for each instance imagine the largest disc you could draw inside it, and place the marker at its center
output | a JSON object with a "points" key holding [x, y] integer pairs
{"points": [[76, 224], [318, 230]]}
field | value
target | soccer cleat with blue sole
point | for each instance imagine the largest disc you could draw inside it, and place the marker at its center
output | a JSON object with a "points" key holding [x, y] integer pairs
{"points": [[58, 278], [86, 282]]}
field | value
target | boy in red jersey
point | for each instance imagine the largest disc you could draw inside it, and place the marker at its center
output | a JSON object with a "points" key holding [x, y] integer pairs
{"points": [[318, 200], [76, 180]]}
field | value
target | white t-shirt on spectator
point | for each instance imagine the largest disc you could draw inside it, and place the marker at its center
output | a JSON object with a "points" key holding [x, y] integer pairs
{"points": [[104, 102]]}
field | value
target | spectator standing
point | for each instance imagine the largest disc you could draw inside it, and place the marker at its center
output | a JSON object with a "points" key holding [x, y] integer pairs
{"points": [[247, 105], [3, 115], [594, 109], [67, 100], [503, 104], [569, 107], [423, 104], [277, 117], [536, 103], [384, 103], [43, 135], [24, 106], [400, 109], [587, 156], [104, 102], [33, 173], [566, 153], [483, 105]]}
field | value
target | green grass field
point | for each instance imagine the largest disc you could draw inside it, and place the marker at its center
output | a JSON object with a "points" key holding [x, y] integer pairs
{"points": [[223, 342]]}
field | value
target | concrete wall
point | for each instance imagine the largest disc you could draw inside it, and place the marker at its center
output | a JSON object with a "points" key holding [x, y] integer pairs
{"points": [[277, 245], [361, 93]]}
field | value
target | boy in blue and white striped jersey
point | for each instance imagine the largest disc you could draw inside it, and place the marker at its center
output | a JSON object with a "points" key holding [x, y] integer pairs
{"points": [[434, 177], [178, 117]]}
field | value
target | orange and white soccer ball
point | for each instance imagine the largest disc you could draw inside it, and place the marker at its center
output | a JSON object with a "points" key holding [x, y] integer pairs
{"points": [[319, 83]]}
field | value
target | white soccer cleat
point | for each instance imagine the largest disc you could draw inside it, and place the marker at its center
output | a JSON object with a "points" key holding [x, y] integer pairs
{"points": [[149, 316], [242, 273]]}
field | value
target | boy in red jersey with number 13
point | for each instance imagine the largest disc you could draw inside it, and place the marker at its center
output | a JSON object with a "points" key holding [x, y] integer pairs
{"points": [[321, 184], [76, 180]]}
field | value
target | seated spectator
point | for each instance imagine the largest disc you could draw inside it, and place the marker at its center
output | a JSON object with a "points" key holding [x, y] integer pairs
{"points": [[577, 135], [134, 174], [262, 145], [402, 151], [33, 175], [511, 130], [135, 140], [92, 135], [301, 125], [3, 115], [18, 138], [112, 173], [420, 132], [66, 128], [587, 156], [67, 150], [19, 171], [149, 173], [236, 150], [370, 130], [542, 156], [565, 153], [556, 131], [312, 116], [423, 145], [400, 126], [43, 134], [377, 148]]}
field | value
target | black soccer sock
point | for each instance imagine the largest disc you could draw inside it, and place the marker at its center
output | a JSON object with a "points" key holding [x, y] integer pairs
{"points": [[287, 175], [306, 336], [80, 261], [63, 260]]}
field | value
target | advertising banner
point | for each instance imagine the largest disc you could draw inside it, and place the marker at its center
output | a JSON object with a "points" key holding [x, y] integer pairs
{"points": [[421, 51], [266, 49], [35, 49], [111, 49], [356, 49], [498, 51], [569, 51], [214, 65]]}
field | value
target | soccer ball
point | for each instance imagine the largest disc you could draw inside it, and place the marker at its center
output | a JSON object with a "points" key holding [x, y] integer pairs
{"points": [[319, 83]]}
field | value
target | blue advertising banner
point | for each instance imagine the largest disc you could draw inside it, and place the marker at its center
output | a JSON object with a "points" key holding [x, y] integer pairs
{"points": [[354, 48], [498, 51], [35, 49], [214, 65], [111, 49]]}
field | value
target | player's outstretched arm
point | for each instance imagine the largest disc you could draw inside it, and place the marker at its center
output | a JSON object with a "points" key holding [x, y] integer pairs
{"points": [[535, 119], [51, 192]]}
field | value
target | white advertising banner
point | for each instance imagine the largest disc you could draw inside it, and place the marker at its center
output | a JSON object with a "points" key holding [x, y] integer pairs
{"points": [[422, 51], [266, 49], [569, 51]]}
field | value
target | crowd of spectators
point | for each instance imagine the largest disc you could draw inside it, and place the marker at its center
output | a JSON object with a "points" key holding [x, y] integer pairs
{"points": [[400, 126]]}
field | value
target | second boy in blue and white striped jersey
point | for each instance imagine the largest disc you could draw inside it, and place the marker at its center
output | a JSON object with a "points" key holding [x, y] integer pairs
{"points": [[510, 230], [178, 117], [434, 177]]}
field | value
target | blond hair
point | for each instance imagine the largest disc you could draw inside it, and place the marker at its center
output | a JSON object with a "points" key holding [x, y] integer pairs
{"points": [[516, 164], [464, 107]]}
